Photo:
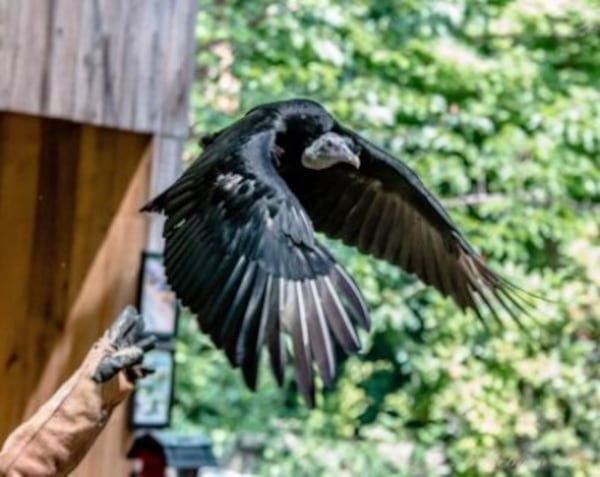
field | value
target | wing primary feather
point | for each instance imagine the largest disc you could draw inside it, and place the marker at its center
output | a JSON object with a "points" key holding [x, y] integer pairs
{"points": [[269, 312], [205, 285], [480, 318], [335, 214], [447, 265], [383, 228], [185, 247], [353, 295], [193, 283], [224, 294], [457, 280], [372, 218], [354, 219], [517, 300], [189, 277], [178, 216], [522, 305], [177, 245], [431, 258], [184, 240], [481, 279], [392, 243], [405, 255], [251, 323], [284, 300], [183, 211], [277, 354], [301, 344], [302, 315], [227, 334], [320, 339], [247, 354], [277, 351], [337, 318], [498, 293], [520, 292], [419, 255], [483, 295], [182, 198]]}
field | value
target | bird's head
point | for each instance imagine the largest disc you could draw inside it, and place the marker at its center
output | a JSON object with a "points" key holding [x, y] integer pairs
{"points": [[330, 149]]}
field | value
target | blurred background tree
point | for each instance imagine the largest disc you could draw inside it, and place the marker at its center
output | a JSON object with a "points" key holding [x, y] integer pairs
{"points": [[496, 105]]}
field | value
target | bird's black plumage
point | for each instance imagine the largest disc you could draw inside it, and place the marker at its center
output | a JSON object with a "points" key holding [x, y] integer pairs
{"points": [[241, 252]]}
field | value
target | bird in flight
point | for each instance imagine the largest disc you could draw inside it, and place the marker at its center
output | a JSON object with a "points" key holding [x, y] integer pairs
{"points": [[240, 246]]}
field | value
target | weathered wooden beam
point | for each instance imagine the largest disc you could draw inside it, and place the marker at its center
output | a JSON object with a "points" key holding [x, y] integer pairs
{"points": [[165, 168], [127, 65]]}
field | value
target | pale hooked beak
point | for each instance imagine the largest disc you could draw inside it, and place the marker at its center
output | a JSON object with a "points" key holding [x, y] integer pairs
{"points": [[328, 150]]}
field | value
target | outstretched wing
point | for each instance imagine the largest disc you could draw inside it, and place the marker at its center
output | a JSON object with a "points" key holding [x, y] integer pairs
{"points": [[384, 210], [241, 254]]}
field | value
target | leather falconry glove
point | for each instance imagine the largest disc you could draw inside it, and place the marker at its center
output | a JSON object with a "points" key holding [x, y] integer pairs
{"points": [[55, 439]]}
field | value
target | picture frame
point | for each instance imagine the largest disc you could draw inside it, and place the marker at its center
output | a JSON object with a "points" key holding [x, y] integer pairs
{"points": [[153, 396], [157, 303]]}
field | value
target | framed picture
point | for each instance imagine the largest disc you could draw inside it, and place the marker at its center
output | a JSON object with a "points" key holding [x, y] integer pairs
{"points": [[153, 396], [156, 301]]}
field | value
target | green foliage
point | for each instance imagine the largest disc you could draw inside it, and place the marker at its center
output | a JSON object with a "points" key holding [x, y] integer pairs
{"points": [[496, 105]]}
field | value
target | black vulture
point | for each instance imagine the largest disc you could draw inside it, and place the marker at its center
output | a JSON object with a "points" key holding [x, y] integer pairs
{"points": [[240, 247]]}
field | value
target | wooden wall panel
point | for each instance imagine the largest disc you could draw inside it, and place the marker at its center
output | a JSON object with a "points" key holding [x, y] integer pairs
{"points": [[57, 165], [123, 64], [72, 257], [18, 197]]}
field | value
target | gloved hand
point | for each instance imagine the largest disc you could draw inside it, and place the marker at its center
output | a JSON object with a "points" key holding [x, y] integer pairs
{"points": [[124, 336], [55, 439]]}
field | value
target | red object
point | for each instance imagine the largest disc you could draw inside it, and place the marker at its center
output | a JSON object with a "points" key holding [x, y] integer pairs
{"points": [[151, 455], [153, 465]]}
